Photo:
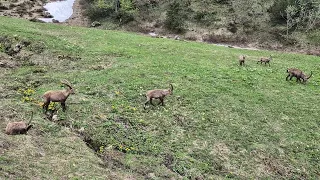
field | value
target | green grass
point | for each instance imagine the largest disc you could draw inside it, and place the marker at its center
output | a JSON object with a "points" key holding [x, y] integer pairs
{"points": [[222, 121]]}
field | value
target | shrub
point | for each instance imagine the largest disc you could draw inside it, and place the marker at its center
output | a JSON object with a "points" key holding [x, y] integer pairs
{"points": [[175, 19], [96, 13], [277, 10], [205, 18], [122, 13]]}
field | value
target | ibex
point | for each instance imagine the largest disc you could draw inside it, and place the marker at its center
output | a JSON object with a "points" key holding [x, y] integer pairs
{"points": [[242, 59], [20, 127], [265, 60], [57, 96], [158, 94], [294, 72]]}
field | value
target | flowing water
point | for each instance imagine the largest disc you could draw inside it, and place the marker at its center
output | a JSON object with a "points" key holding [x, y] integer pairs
{"points": [[60, 10]]}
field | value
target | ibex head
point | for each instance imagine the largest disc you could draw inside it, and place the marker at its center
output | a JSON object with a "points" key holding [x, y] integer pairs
{"points": [[305, 78], [67, 83]]}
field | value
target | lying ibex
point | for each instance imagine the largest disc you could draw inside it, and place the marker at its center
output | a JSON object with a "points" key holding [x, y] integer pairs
{"points": [[294, 72], [242, 59], [158, 94], [265, 60], [20, 127], [57, 96]]}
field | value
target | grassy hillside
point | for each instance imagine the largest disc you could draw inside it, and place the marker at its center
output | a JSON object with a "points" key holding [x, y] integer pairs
{"points": [[266, 24], [222, 121]]}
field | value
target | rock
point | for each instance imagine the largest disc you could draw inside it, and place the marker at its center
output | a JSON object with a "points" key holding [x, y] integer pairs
{"points": [[36, 20], [95, 24], [55, 117], [55, 21], [313, 52], [2, 7], [154, 35], [25, 42], [47, 15]]}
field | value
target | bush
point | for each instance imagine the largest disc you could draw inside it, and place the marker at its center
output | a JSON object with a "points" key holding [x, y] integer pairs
{"points": [[97, 13], [277, 10], [104, 10], [175, 19], [306, 15], [214, 38], [222, 1], [123, 17], [205, 18]]}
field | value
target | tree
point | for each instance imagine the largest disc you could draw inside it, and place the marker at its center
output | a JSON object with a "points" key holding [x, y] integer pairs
{"points": [[308, 15], [289, 16], [175, 19], [303, 14], [251, 15]]}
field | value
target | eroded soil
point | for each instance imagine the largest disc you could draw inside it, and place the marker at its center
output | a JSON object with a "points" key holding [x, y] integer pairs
{"points": [[28, 9], [33, 9]]}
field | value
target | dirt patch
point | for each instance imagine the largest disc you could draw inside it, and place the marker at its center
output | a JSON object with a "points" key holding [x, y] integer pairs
{"points": [[113, 159], [14, 52], [77, 18], [8, 62], [267, 165], [32, 10], [221, 150], [4, 145], [101, 66], [23, 9]]}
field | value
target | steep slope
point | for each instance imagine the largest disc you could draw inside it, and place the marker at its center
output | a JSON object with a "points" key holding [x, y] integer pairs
{"points": [[222, 121]]}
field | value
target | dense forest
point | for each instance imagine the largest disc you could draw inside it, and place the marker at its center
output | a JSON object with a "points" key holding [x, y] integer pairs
{"points": [[268, 23]]}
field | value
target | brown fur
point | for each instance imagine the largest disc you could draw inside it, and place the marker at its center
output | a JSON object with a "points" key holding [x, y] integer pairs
{"points": [[57, 96], [20, 127], [265, 60], [158, 94], [294, 72], [242, 59]]}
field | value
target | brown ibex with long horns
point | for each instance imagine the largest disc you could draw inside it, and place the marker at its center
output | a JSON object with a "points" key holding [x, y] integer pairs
{"points": [[294, 72], [158, 94], [20, 127], [58, 96]]}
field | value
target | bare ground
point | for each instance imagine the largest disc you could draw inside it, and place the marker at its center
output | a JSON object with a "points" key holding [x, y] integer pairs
{"points": [[26, 9], [33, 9], [77, 18]]}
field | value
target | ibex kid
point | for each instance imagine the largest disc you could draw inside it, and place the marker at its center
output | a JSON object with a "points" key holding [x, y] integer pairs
{"points": [[57, 96], [158, 94]]}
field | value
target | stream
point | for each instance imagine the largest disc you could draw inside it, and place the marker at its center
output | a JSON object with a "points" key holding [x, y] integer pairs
{"points": [[60, 10]]}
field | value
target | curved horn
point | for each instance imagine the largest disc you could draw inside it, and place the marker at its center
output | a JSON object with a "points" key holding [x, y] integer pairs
{"points": [[30, 118], [310, 75], [67, 83], [171, 87]]}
